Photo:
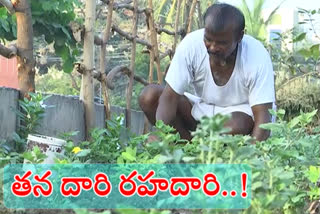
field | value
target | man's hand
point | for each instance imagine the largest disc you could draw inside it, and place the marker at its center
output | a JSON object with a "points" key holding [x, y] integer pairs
{"points": [[261, 116], [168, 103]]}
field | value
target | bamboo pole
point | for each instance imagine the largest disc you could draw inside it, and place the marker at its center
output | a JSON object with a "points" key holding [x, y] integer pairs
{"points": [[123, 70], [151, 56], [153, 53], [176, 26], [106, 35], [132, 64], [186, 11], [154, 42], [200, 22], [190, 18], [130, 37]]}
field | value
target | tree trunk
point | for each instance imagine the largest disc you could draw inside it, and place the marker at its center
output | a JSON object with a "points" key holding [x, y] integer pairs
{"points": [[105, 38], [26, 71], [88, 54], [132, 64]]}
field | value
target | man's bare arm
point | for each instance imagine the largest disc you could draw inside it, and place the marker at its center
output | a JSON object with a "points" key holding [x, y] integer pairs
{"points": [[261, 116], [167, 107]]}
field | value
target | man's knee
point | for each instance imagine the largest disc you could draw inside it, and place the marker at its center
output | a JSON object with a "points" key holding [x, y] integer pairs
{"points": [[184, 112], [240, 123], [149, 96]]}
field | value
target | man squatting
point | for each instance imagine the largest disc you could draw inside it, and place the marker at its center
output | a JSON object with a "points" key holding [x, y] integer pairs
{"points": [[230, 72]]}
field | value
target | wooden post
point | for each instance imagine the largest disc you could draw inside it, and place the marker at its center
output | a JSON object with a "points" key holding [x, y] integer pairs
{"points": [[154, 43], [200, 21], [176, 26], [132, 64], [105, 38], [190, 18], [186, 12]]}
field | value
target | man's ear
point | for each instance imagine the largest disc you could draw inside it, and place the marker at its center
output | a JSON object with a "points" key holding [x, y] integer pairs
{"points": [[240, 36]]}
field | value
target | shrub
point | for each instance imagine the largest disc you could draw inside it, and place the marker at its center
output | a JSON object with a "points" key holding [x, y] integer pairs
{"points": [[284, 167]]}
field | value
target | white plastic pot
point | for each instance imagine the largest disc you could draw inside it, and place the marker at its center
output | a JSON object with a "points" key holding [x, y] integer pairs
{"points": [[48, 145]]}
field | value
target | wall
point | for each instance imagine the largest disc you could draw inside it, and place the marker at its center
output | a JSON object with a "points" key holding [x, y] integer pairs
{"points": [[63, 114], [8, 119]]}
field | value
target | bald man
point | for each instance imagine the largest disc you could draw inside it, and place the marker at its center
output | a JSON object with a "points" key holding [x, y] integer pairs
{"points": [[229, 72]]}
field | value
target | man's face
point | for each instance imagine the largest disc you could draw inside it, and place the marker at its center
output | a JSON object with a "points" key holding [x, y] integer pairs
{"points": [[220, 45]]}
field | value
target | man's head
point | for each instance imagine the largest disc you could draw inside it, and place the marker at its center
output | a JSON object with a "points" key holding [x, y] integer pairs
{"points": [[224, 29]]}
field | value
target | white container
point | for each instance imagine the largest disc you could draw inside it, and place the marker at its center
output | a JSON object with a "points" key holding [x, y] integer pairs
{"points": [[47, 145]]}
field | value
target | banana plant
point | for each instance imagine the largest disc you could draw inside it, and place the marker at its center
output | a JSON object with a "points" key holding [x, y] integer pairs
{"points": [[255, 23]]}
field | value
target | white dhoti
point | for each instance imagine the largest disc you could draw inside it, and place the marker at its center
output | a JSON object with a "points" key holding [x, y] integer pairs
{"points": [[201, 109]]}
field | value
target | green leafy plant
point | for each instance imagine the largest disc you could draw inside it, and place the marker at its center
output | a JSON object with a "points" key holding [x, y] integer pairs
{"points": [[30, 113], [105, 146], [278, 164], [313, 175], [283, 174], [57, 82], [288, 154], [34, 156], [296, 57], [7, 156], [51, 19]]}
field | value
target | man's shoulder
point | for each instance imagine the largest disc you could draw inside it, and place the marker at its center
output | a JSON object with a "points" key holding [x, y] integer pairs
{"points": [[252, 42], [192, 45], [194, 38], [196, 33], [253, 51]]}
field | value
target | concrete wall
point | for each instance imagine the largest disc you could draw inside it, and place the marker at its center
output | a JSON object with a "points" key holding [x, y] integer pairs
{"points": [[100, 115], [137, 118], [63, 114], [8, 118]]}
